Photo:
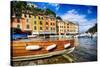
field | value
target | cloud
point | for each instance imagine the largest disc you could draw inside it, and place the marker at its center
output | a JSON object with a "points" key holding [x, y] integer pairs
{"points": [[84, 23]]}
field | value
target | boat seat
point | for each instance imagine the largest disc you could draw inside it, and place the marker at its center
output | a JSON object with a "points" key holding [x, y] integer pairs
{"points": [[33, 47], [67, 45], [51, 47]]}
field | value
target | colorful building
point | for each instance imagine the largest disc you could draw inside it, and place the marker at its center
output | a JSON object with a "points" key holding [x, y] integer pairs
{"points": [[43, 25], [60, 27], [38, 24], [66, 27], [71, 27], [24, 23], [52, 24]]}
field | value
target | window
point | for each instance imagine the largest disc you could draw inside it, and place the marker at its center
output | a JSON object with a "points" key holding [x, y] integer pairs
{"points": [[40, 28], [34, 22], [46, 28], [51, 28], [46, 23], [51, 23], [28, 26], [42, 18], [29, 16], [39, 17], [18, 20], [34, 27], [34, 17], [27, 20], [40, 22], [25, 15], [18, 26]]}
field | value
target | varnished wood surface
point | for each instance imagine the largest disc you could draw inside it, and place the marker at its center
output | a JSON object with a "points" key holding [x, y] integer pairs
{"points": [[18, 48]]}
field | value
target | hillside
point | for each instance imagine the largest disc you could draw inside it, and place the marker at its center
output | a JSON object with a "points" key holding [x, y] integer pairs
{"points": [[19, 7], [93, 29]]}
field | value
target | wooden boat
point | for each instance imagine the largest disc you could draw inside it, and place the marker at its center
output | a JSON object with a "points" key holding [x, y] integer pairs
{"points": [[21, 50]]}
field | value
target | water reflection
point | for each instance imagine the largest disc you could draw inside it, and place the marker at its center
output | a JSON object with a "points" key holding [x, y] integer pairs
{"points": [[86, 49], [52, 38]]}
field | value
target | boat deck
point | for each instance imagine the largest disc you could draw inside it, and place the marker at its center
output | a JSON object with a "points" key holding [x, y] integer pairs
{"points": [[18, 47]]}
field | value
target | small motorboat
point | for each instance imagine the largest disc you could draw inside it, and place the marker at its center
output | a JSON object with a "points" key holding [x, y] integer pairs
{"points": [[51, 47], [67, 45], [33, 47]]}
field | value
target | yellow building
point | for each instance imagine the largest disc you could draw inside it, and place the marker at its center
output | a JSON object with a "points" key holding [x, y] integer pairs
{"points": [[66, 27], [60, 27], [43, 24], [38, 24], [71, 27]]}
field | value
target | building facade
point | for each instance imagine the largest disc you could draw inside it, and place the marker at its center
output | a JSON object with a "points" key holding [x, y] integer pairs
{"points": [[43, 25], [71, 28], [38, 24], [60, 27], [66, 27], [24, 23]]}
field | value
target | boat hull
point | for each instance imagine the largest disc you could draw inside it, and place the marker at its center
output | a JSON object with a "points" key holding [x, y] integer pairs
{"points": [[34, 57], [18, 51]]}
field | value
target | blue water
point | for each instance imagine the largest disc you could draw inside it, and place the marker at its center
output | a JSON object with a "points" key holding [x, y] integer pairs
{"points": [[18, 36], [86, 50]]}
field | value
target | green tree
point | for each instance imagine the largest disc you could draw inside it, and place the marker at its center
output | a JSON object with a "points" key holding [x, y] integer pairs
{"points": [[58, 17]]}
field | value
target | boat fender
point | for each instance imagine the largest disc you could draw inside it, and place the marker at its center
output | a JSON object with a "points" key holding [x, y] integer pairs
{"points": [[51, 47]]}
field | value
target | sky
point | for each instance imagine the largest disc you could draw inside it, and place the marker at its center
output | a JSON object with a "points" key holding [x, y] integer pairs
{"points": [[84, 15]]}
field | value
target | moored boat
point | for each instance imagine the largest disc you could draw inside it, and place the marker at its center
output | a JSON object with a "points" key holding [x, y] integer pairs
{"points": [[40, 49]]}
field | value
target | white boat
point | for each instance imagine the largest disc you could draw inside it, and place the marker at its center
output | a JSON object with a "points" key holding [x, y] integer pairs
{"points": [[67, 45], [31, 36], [31, 47], [51, 47]]}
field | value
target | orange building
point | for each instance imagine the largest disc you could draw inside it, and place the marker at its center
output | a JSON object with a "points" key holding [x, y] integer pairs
{"points": [[47, 24], [52, 24], [24, 23]]}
